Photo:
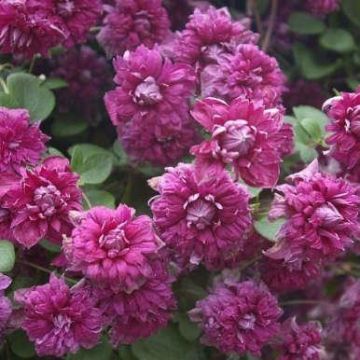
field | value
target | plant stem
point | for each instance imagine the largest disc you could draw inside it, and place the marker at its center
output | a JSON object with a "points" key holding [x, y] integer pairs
{"points": [[43, 269], [4, 86], [301, 302], [270, 29], [254, 10], [32, 64], [87, 201]]}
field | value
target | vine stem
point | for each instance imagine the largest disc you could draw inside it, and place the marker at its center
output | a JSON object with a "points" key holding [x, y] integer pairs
{"points": [[43, 269], [32, 64], [301, 302], [253, 10], [270, 29], [87, 200]]}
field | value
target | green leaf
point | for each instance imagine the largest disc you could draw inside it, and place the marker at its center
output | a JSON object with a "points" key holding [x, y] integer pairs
{"points": [[20, 345], [103, 351], [54, 152], [65, 127], [93, 164], [120, 155], [100, 197], [189, 330], [166, 344], [305, 24], [304, 111], [338, 40], [310, 66], [7, 256], [49, 246], [27, 92], [55, 83], [352, 10], [352, 83], [268, 229], [307, 153]]}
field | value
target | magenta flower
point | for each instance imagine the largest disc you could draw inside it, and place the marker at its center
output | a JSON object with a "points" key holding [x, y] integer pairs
{"points": [[211, 32], [78, 16], [5, 305], [201, 215], [88, 76], [27, 28], [321, 215], [344, 114], [150, 86], [130, 23], [21, 143], [246, 136], [59, 320], [41, 202], [140, 314], [144, 140], [322, 7], [114, 247], [248, 72], [238, 317], [283, 277], [344, 328], [301, 341]]}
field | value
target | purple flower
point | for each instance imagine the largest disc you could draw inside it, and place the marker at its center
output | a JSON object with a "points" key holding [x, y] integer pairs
{"points": [[145, 140], [41, 201], [248, 72], [150, 86], [114, 248], [322, 7], [21, 143], [321, 215], [344, 114], [246, 136], [343, 329], [201, 215], [130, 23], [5, 305], [301, 341], [87, 75], [140, 314], [27, 28], [59, 320], [281, 276], [238, 317], [209, 32]]}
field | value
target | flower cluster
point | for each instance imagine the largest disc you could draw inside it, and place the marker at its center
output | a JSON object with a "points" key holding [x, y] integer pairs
{"points": [[57, 319], [201, 215], [321, 215], [130, 23], [322, 7], [150, 106], [344, 113], [238, 317], [122, 257], [29, 27], [5, 305], [246, 136], [21, 143], [88, 76], [301, 341], [40, 202]]}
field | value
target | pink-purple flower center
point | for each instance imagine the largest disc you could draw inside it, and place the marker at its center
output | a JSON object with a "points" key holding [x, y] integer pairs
{"points": [[65, 8], [235, 138], [62, 323], [147, 92], [247, 322], [352, 122], [115, 241], [326, 215], [201, 211], [142, 23], [48, 200]]}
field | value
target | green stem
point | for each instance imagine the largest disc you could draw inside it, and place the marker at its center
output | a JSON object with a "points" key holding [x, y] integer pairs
{"points": [[32, 64], [270, 29], [4, 86], [87, 201]]}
